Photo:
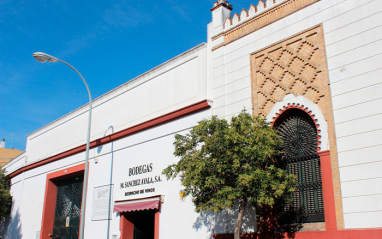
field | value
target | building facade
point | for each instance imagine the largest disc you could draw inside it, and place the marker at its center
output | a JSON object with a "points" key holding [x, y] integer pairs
{"points": [[7, 155], [310, 67]]}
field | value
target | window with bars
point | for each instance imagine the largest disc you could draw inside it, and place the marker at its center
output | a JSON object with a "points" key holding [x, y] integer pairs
{"points": [[299, 134]]}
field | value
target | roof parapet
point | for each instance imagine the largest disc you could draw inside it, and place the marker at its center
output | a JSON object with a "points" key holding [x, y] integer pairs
{"points": [[252, 11], [223, 3], [223, 9], [220, 12]]}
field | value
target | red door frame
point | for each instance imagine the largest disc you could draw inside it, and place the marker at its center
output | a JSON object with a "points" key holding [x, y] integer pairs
{"points": [[328, 191], [51, 196]]}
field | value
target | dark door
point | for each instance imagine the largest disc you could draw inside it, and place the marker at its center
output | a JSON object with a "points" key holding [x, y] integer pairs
{"points": [[68, 208], [144, 224]]}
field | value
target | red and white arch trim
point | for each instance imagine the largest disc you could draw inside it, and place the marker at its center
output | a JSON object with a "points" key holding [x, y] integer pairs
{"points": [[299, 102], [309, 112]]}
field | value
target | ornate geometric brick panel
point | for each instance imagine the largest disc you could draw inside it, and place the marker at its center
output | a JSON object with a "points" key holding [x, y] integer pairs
{"points": [[295, 66]]}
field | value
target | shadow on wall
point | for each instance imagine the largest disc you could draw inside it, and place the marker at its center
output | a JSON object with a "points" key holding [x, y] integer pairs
{"points": [[11, 227], [278, 223], [224, 222], [267, 223]]}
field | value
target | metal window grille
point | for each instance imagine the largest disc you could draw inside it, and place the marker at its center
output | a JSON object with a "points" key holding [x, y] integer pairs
{"points": [[300, 158], [68, 208]]}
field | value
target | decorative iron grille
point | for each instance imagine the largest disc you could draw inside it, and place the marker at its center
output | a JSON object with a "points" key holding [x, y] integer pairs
{"points": [[68, 208], [299, 135]]}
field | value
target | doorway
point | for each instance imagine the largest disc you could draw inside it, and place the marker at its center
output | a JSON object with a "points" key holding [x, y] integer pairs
{"points": [[53, 180], [144, 224], [139, 224], [68, 208]]}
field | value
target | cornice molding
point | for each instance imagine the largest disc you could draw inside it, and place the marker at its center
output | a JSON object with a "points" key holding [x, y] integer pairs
{"points": [[188, 110]]}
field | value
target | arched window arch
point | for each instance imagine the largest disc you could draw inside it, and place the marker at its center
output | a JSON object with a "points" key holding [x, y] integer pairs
{"points": [[299, 134]]}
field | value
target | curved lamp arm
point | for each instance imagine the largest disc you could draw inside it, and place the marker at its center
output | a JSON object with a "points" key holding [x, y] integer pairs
{"points": [[43, 57]]}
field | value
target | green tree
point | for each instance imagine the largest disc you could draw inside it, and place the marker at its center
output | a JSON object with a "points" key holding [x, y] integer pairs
{"points": [[5, 197], [222, 163]]}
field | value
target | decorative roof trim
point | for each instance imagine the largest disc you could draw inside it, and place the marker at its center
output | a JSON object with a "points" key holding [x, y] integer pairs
{"points": [[222, 3], [265, 13]]}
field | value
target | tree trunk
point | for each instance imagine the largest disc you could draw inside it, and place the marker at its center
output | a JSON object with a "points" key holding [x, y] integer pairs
{"points": [[240, 216]]}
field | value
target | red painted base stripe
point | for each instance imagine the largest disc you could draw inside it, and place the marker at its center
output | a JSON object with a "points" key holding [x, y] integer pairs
{"points": [[341, 234], [337, 234]]}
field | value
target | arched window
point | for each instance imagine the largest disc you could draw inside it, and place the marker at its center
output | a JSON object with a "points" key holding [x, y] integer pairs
{"points": [[299, 134]]}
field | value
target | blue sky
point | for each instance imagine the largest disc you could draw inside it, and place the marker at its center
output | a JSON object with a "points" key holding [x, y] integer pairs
{"points": [[109, 42]]}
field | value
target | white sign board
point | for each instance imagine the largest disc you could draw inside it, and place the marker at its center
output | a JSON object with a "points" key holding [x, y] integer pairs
{"points": [[102, 199]]}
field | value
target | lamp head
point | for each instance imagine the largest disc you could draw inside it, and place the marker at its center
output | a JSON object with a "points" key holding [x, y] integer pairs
{"points": [[43, 57]]}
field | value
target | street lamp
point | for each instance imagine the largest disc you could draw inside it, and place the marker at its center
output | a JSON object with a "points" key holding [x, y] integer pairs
{"points": [[43, 57]]}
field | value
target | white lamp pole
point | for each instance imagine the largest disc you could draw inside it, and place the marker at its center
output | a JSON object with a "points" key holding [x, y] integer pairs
{"points": [[43, 57]]}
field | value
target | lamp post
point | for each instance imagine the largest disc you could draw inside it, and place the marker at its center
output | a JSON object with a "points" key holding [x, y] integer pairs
{"points": [[43, 57]]}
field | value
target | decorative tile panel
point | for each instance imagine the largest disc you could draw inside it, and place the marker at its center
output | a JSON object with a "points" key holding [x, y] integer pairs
{"points": [[295, 66]]}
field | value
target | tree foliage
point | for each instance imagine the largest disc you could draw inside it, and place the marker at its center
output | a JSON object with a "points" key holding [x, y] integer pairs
{"points": [[222, 163], [5, 197]]}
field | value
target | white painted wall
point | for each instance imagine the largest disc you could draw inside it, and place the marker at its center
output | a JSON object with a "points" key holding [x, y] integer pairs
{"points": [[109, 164], [15, 163], [353, 39], [180, 82], [154, 145], [175, 84]]}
